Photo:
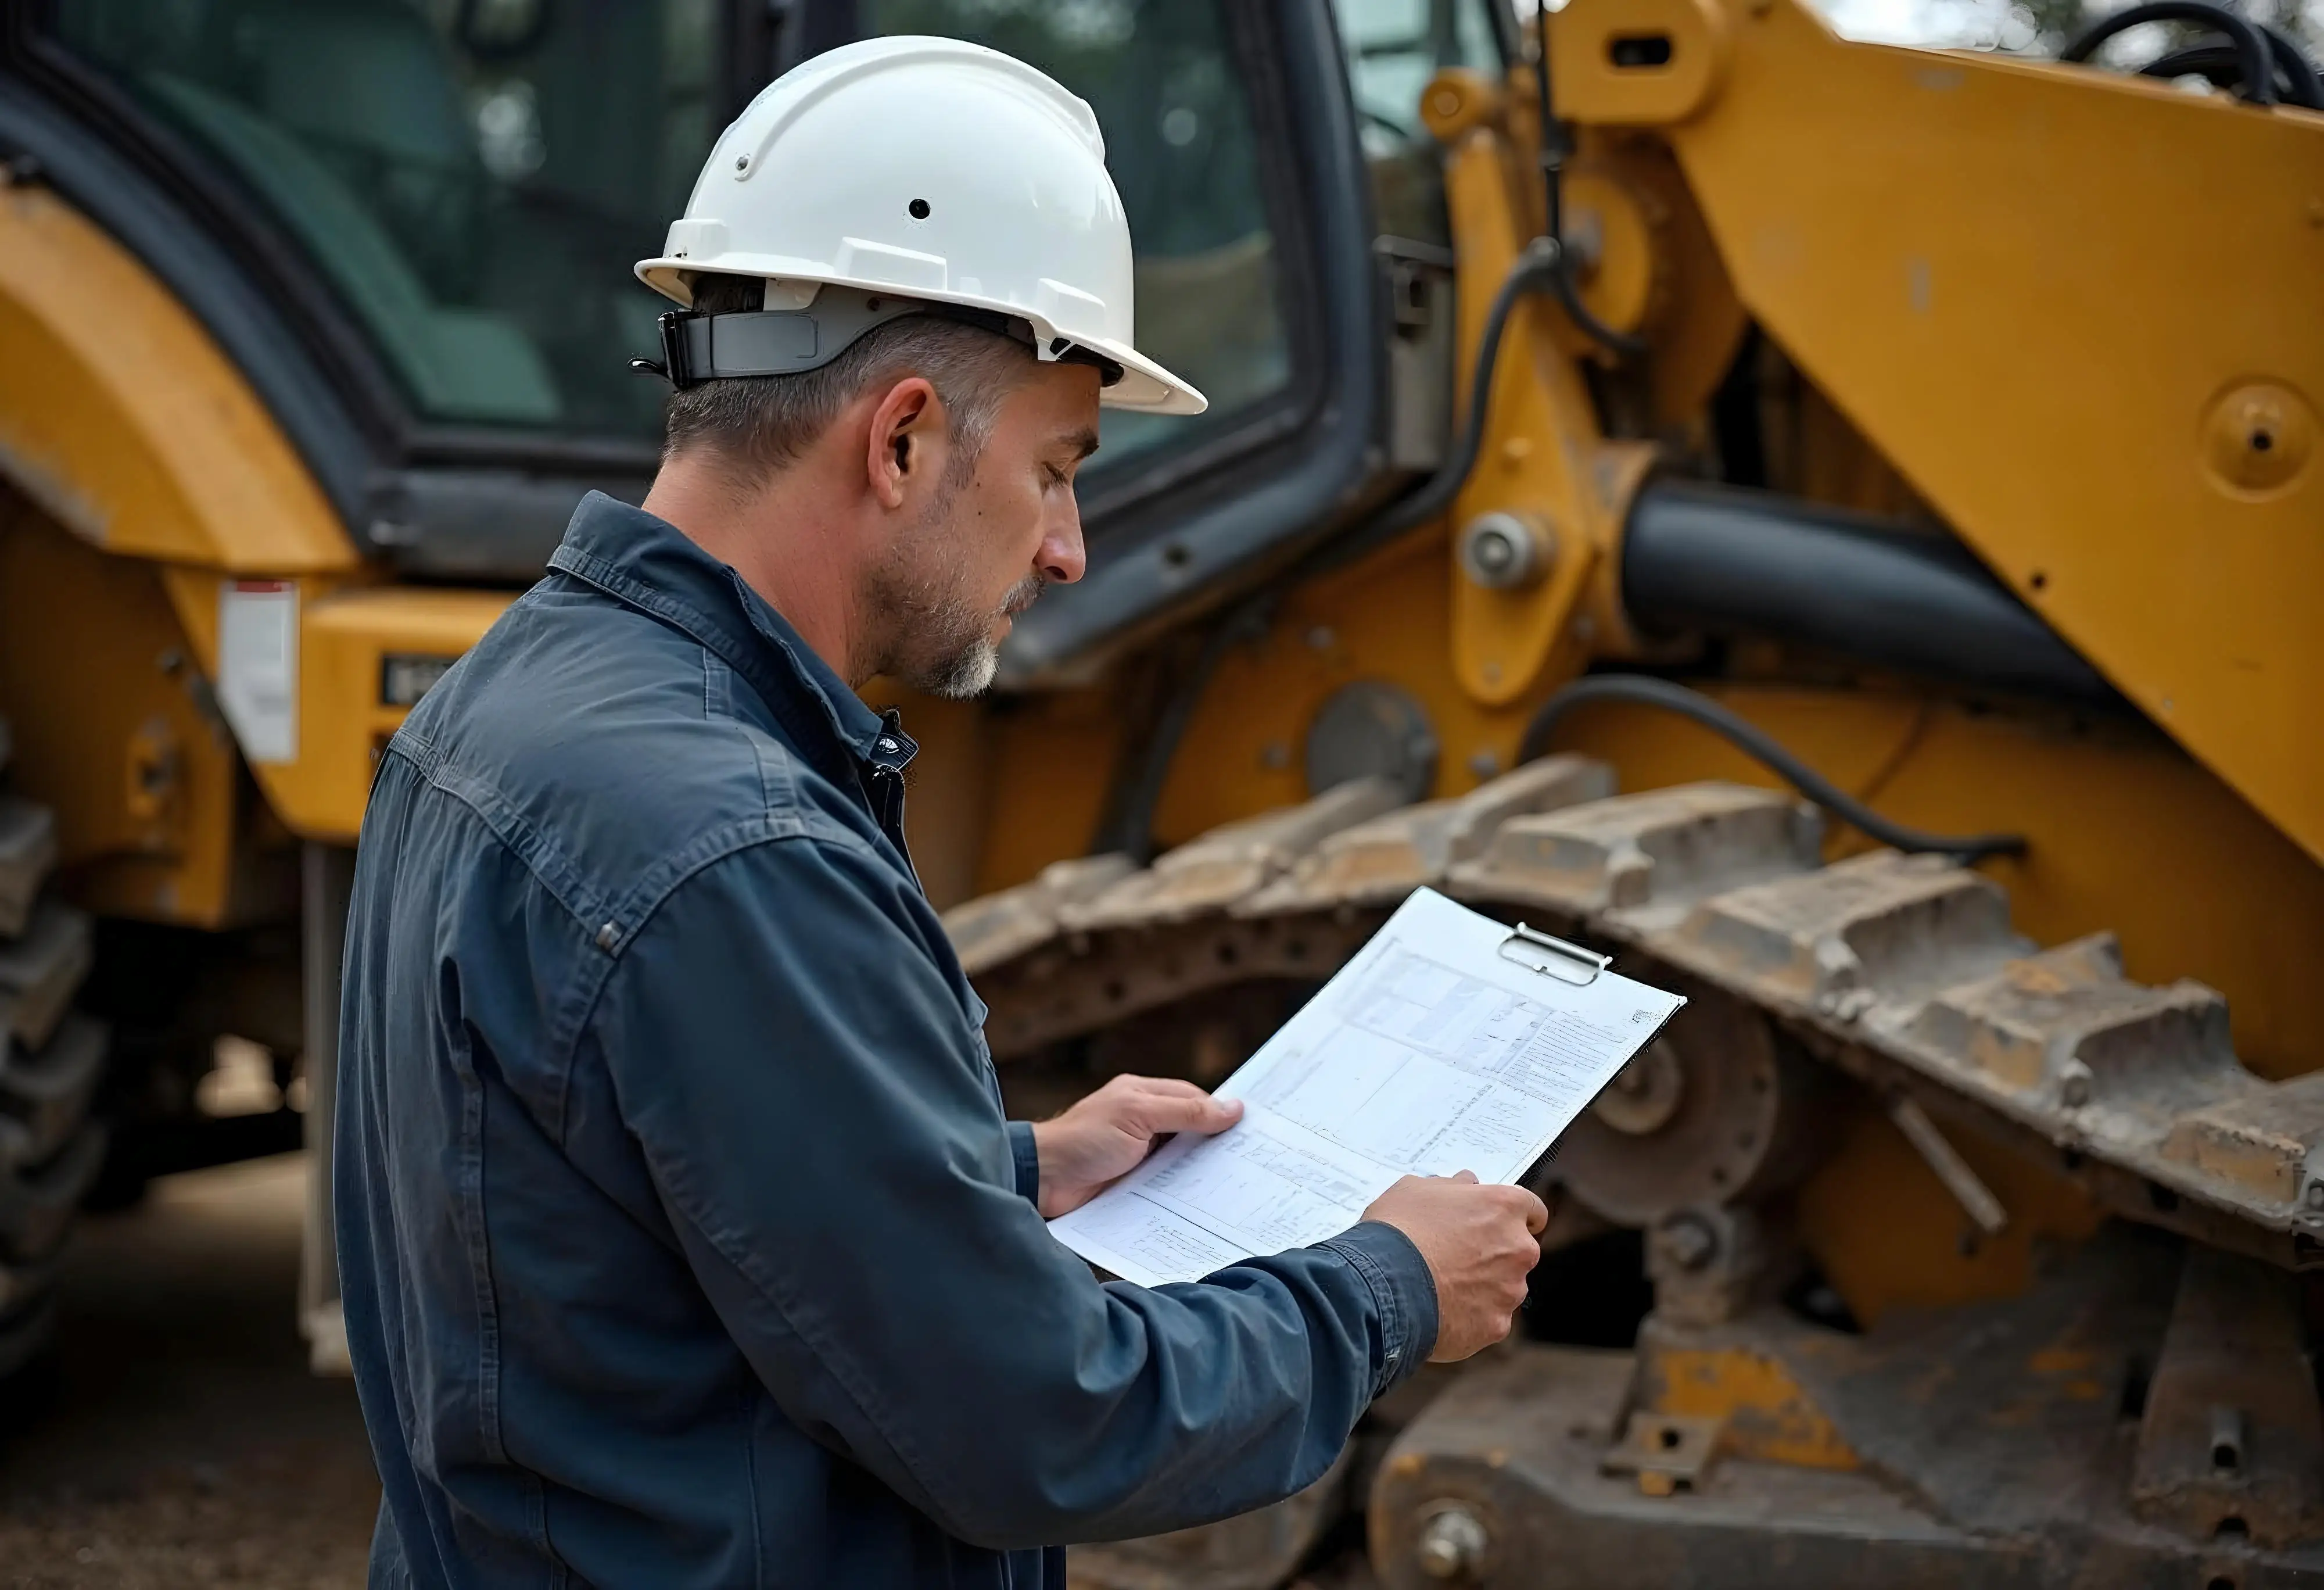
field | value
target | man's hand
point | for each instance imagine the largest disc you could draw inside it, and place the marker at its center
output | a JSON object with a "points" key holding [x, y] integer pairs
{"points": [[1478, 1242], [1102, 1139]]}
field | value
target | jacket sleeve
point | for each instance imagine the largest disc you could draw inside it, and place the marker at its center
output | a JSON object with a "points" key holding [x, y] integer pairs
{"points": [[816, 1111]]}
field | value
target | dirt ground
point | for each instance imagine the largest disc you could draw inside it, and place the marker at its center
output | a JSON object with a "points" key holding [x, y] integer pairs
{"points": [[174, 1437]]}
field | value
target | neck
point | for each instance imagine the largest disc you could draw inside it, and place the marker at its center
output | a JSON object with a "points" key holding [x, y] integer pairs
{"points": [[785, 543]]}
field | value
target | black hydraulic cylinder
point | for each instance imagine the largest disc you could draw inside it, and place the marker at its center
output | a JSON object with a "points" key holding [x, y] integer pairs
{"points": [[1729, 562]]}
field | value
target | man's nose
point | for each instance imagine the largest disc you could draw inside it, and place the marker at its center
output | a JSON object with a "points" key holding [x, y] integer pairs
{"points": [[1062, 558]]}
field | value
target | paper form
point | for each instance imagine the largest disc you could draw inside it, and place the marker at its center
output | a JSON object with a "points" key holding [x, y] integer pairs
{"points": [[1429, 1053]]}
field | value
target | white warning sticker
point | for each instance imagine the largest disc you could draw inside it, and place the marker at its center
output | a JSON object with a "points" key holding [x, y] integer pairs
{"points": [[258, 666]]}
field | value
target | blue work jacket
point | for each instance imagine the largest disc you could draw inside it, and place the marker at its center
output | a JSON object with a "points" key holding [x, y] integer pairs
{"points": [[684, 1241]]}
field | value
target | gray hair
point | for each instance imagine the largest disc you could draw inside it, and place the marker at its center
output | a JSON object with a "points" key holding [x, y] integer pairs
{"points": [[760, 423]]}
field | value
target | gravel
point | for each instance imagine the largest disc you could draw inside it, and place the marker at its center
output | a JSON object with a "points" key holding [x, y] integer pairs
{"points": [[173, 1437]]}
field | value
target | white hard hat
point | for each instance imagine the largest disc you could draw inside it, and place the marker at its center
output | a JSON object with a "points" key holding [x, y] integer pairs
{"points": [[910, 174]]}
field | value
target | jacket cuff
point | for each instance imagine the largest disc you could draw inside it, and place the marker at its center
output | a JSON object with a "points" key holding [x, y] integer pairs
{"points": [[1028, 1161], [1403, 1293]]}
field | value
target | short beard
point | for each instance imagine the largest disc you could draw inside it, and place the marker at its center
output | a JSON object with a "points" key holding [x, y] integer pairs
{"points": [[967, 658], [938, 640]]}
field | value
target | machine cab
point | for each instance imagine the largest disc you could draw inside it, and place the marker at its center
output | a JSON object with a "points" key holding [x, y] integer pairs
{"points": [[412, 223]]}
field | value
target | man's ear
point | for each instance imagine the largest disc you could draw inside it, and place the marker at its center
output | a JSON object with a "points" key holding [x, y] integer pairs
{"points": [[906, 432]]}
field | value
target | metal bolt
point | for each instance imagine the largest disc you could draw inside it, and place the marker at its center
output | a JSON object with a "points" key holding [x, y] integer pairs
{"points": [[1688, 1241], [741, 162], [2074, 1085], [1451, 1544], [2226, 1437], [1504, 553]]}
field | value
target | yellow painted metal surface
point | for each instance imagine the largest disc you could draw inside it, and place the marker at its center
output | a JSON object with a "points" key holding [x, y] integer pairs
{"points": [[345, 635], [1051, 760], [1387, 619], [123, 421], [1543, 458], [116, 732], [1889, 1235], [1769, 1416], [2070, 307]]}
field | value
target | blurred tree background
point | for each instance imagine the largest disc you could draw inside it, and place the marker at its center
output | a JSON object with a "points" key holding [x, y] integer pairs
{"points": [[2041, 27]]}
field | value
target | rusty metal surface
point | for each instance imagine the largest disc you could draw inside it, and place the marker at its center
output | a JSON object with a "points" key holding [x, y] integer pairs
{"points": [[1090, 981], [1902, 971], [1666, 1452], [1520, 1448], [1993, 1445], [2231, 1443], [1710, 1263], [1721, 1114], [1255, 1551], [1647, 857], [994, 929], [1381, 861], [1230, 862]]}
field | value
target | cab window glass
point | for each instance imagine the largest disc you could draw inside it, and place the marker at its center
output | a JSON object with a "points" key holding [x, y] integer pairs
{"points": [[1179, 142], [472, 177], [1394, 47]]}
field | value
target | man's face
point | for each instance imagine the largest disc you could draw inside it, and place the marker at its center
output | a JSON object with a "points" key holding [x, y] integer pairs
{"points": [[992, 536]]}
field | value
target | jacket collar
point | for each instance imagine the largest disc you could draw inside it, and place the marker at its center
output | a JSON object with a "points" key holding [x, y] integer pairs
{"points": [[648, 563]]}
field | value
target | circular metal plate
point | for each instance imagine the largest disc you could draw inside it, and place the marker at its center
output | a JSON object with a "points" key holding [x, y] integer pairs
{"points": [[1375, 729], [1708, 1118]]}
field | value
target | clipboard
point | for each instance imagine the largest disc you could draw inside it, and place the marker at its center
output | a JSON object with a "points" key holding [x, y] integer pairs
{"points": [[1451, 1042], [1537, 951]]}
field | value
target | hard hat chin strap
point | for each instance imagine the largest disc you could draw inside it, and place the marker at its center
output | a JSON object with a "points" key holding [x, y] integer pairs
{"points": [[697, 348]]}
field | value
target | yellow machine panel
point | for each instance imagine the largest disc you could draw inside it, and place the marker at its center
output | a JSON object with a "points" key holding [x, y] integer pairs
{"points": [[2075, 311], [121, 418]]}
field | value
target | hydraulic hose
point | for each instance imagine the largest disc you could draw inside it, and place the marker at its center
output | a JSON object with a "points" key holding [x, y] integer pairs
{"points": [[1762, 748], [2220, 61], [1540, 267], [2253, 61], [1553, 177]]}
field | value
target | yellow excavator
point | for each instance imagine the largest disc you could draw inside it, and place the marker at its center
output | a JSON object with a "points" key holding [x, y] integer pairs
{"points": [[1837, 527]]}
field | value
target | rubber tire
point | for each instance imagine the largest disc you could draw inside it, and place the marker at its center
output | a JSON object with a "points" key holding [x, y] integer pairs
{"points": [[52, 1152]]}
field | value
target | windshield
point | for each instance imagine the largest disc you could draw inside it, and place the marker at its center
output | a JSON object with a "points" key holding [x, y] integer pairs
{"points": [[473, 178]]}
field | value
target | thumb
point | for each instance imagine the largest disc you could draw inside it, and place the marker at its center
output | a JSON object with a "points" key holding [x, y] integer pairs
{"points": [[1189, 1111], [1467, 1177]]}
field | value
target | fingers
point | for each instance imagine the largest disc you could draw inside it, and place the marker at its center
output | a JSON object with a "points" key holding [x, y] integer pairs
{"points": [[1468, 1176], [1536, 1213], [1157, 1112]]}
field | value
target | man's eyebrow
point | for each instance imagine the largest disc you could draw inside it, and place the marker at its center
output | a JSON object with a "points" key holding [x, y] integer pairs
{"points": [[1083, 442]]}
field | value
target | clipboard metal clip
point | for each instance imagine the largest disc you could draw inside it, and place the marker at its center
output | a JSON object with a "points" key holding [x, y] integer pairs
{"points": [[1536, 951]]}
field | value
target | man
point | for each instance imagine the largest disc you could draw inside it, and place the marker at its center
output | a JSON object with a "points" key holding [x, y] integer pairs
{"points": [[683, 1239]]}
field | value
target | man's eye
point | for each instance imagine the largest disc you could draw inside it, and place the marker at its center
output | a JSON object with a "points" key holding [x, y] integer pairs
{"points": [[1057, 476]]}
